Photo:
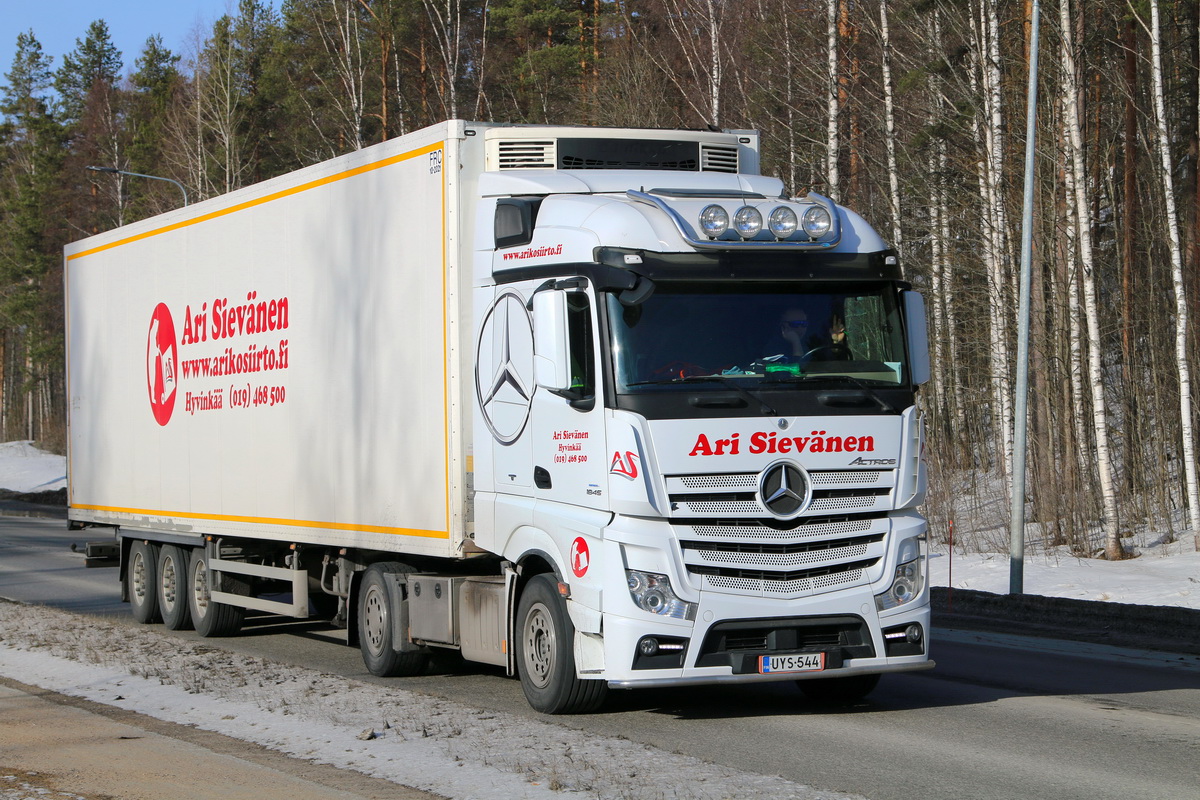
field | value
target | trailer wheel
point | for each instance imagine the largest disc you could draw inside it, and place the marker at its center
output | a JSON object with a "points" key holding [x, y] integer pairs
{"points": [[210, 618], [172, 587], [546, 653], [838, 691], [141, 582], [375, 625]]}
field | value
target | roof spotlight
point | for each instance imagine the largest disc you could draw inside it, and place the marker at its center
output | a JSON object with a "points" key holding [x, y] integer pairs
{"points": [[782, 222], [714, 221], [747, 222], [817, 221]]}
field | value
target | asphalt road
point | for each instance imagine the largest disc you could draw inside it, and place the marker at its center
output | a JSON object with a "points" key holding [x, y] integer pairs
{"points": [[1001, 716]]}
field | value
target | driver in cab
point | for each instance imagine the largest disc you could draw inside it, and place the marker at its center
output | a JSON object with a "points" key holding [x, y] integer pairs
{"points": [[800, 342]]}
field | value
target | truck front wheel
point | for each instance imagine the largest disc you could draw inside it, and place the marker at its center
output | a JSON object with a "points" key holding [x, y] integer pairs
{"points": [[209, 617], [376, 625], [172, 587], [141, 582], [545, 653]]}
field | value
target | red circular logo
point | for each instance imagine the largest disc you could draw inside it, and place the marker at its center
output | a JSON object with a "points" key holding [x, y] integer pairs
{"points": [[580, 558], [161, 364]]}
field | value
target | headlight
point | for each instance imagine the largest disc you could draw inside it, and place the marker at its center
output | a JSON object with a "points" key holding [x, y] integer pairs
{"points": [[653, 593], [782, 222], [908, 580], [747, 222], [817, 221], [714, 221]]}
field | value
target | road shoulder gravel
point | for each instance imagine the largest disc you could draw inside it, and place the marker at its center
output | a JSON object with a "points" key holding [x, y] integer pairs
{"points": [[55, 745]]}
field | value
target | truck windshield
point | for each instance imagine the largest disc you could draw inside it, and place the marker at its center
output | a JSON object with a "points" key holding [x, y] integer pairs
{"points": [[760, 337]]}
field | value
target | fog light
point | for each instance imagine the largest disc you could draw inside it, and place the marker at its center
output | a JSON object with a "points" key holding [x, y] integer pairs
{"points": [[904, 640], [659, 652]]}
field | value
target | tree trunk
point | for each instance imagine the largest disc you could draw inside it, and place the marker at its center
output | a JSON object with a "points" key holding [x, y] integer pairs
{"points": [[832, 145], [1181, 303], [889, 122], [1072, 93]]}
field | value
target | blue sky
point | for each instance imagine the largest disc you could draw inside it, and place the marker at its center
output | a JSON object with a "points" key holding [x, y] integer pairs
{"points": [[58, 23]]}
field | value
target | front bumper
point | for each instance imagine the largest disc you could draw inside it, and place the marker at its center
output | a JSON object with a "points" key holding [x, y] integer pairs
{"points": [[730, 633]]}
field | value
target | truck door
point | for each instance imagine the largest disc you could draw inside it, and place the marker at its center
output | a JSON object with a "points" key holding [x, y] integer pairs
{"points": [[569, 449]]}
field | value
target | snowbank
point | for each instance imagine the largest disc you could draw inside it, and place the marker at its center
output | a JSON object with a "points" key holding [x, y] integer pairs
{"points": [[25, 469], [405, 737]]}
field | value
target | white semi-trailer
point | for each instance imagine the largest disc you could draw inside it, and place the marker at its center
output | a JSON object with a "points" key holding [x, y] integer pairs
{"points": [[600, 406]]}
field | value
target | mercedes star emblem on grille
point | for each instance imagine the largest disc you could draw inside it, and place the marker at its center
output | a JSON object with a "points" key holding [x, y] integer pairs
{"points": [[784, 489]]}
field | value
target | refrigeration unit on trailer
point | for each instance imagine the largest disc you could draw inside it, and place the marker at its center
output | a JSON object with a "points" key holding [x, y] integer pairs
{"points": [[599, 406]]}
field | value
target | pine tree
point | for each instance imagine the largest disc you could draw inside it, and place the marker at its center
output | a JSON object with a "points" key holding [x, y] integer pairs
{"points": [[95, 63], [31, 323], [154, 87]]}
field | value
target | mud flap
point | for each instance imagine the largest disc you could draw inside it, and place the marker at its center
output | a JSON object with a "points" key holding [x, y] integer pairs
{"points": [[397, 589]]}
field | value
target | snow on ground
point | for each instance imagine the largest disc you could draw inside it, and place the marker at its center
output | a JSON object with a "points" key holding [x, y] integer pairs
{"points": [[24, 468], [1160, 575], [409, 738]]}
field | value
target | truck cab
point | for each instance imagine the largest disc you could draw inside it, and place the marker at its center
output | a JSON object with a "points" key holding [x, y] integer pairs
{"points": [[695, 418]]}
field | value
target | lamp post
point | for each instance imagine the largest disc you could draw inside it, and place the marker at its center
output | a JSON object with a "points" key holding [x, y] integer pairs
{"points": [[1016, 531], [114, 171]]}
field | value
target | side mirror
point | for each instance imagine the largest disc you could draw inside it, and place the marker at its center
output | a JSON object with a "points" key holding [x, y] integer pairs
{"points": [[551, 361], [918, 337]]}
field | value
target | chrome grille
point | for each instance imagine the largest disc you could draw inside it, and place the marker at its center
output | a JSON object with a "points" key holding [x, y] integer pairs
{"points": [[790, 588], [736, 495], [746, 481], [731, 544], [812, 530]]}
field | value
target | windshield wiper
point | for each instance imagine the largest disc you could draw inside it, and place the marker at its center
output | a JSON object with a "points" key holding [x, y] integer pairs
{"points": [[867, 389], [764, 407]]}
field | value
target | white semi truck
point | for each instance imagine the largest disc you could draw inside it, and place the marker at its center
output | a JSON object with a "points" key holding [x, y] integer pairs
{"points": [[598, 406]]}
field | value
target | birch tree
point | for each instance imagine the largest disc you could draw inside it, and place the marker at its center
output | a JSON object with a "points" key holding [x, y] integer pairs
{"points": [[832, 144], [446, 18], [1167, 182], [889, 122], [698, 30], [988, 130]]}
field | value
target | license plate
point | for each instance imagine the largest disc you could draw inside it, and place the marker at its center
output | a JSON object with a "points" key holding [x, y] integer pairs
{"points": [[799, 662]]}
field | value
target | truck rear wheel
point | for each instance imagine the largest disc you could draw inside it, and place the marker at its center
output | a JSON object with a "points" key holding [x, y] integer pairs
{"points": [[172, 586], [376, 625], [141, 582], [838, 691], [546, 653], [209, 617]]}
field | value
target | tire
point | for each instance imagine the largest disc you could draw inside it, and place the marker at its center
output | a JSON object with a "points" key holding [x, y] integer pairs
{"points": [[545, 651], [171, 581], [210, 618], [141, 582], [375, 624], [838, 691]]}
